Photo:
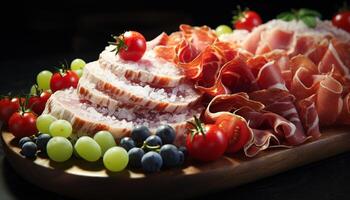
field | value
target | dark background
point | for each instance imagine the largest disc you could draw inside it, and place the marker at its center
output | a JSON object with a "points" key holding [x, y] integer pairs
{"points": [[39, 35], [36, 36]]}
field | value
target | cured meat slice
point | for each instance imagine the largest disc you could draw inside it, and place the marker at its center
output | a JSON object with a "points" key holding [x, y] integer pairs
{"points": [[332, 62], [281, 102], [329, 93], [150, 69], [174, 99], [186, 44], [309, 116], [214, 63], [344, 117], [270, 76], [266, 127], [252, 40], [88, 118], [161, 39], [274, 39]]}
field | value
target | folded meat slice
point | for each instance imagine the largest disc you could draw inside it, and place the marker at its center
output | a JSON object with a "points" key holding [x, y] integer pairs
{"points": [[175, 99], [88, 118], [150, 69]]}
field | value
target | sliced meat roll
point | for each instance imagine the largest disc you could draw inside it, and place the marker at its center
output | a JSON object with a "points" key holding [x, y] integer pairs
{"points": [[87, 118], [150, 69], [175, 99]]}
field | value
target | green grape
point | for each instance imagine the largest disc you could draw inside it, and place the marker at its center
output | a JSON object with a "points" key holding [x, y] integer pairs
{"points": [[77, 64], [116, 159], [88, 149], [43, 123], [60, 128], [79, 72], [59, 149], [223, 29], [105, 140], [43, 80]]}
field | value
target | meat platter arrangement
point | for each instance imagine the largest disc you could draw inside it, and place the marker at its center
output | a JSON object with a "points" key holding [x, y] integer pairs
{"points": [[190, 99]]}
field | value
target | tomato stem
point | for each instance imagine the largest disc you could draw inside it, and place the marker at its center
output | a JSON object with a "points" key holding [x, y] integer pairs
{"points": [[238, 14], [197, 127], [119, 43]]}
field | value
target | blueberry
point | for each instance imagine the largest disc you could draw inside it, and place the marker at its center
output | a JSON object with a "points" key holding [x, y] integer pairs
{"points": [[127, 143], [184, 151], [170, 155], [153, 141], [42, 141], [29, 149], [166, 133], [182, 158], [139, 134], [24, 140], [135, 156], [151, 162]]}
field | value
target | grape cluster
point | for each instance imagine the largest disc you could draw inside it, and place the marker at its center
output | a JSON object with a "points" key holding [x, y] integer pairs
{"points": [[152, 152], [30, 146]]}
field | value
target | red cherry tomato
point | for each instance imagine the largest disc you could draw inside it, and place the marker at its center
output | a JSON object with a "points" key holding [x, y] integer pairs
{"points": [[63, 81], [342, 20], [236, 130], [135, 46], [72, 79], [207, 146], [247, 20], [7, 108], [38, 103], [23, 124]]}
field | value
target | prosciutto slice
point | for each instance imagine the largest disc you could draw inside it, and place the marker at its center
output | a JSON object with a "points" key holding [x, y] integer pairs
{"points": [[266, 128], [184, 45]]}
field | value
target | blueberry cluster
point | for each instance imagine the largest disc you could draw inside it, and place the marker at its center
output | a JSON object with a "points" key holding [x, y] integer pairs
{"points": [[30, 145], [152, 152]]}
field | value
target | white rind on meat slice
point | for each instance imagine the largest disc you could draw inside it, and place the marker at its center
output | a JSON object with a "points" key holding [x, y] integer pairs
{"points": [[175, 99], [87, 119], [150, 69]]}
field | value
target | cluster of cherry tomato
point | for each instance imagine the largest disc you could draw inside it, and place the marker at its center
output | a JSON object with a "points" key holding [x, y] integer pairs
{"points": [[208, 142]]}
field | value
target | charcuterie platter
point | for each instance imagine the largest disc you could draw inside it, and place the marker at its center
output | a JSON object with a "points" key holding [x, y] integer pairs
{"points": [[199, 108]]}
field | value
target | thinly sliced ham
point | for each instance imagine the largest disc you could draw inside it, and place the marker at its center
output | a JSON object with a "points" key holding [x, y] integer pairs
{"points": [[309, 116], [332, 62], [344, 116], [281, 102], [265, 127], [161, 39], [184, 45], [329, 93], [274, 39]]}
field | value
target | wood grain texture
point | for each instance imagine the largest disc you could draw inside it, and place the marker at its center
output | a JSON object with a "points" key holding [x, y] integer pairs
{"points": [[79, 179]]}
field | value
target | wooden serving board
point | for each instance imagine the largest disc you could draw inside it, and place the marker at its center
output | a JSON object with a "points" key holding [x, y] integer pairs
{"points": [[80, 179]]}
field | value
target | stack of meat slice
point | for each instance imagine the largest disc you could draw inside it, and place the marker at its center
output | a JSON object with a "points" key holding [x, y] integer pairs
{"points": [[284, 78], [117, 95]]}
